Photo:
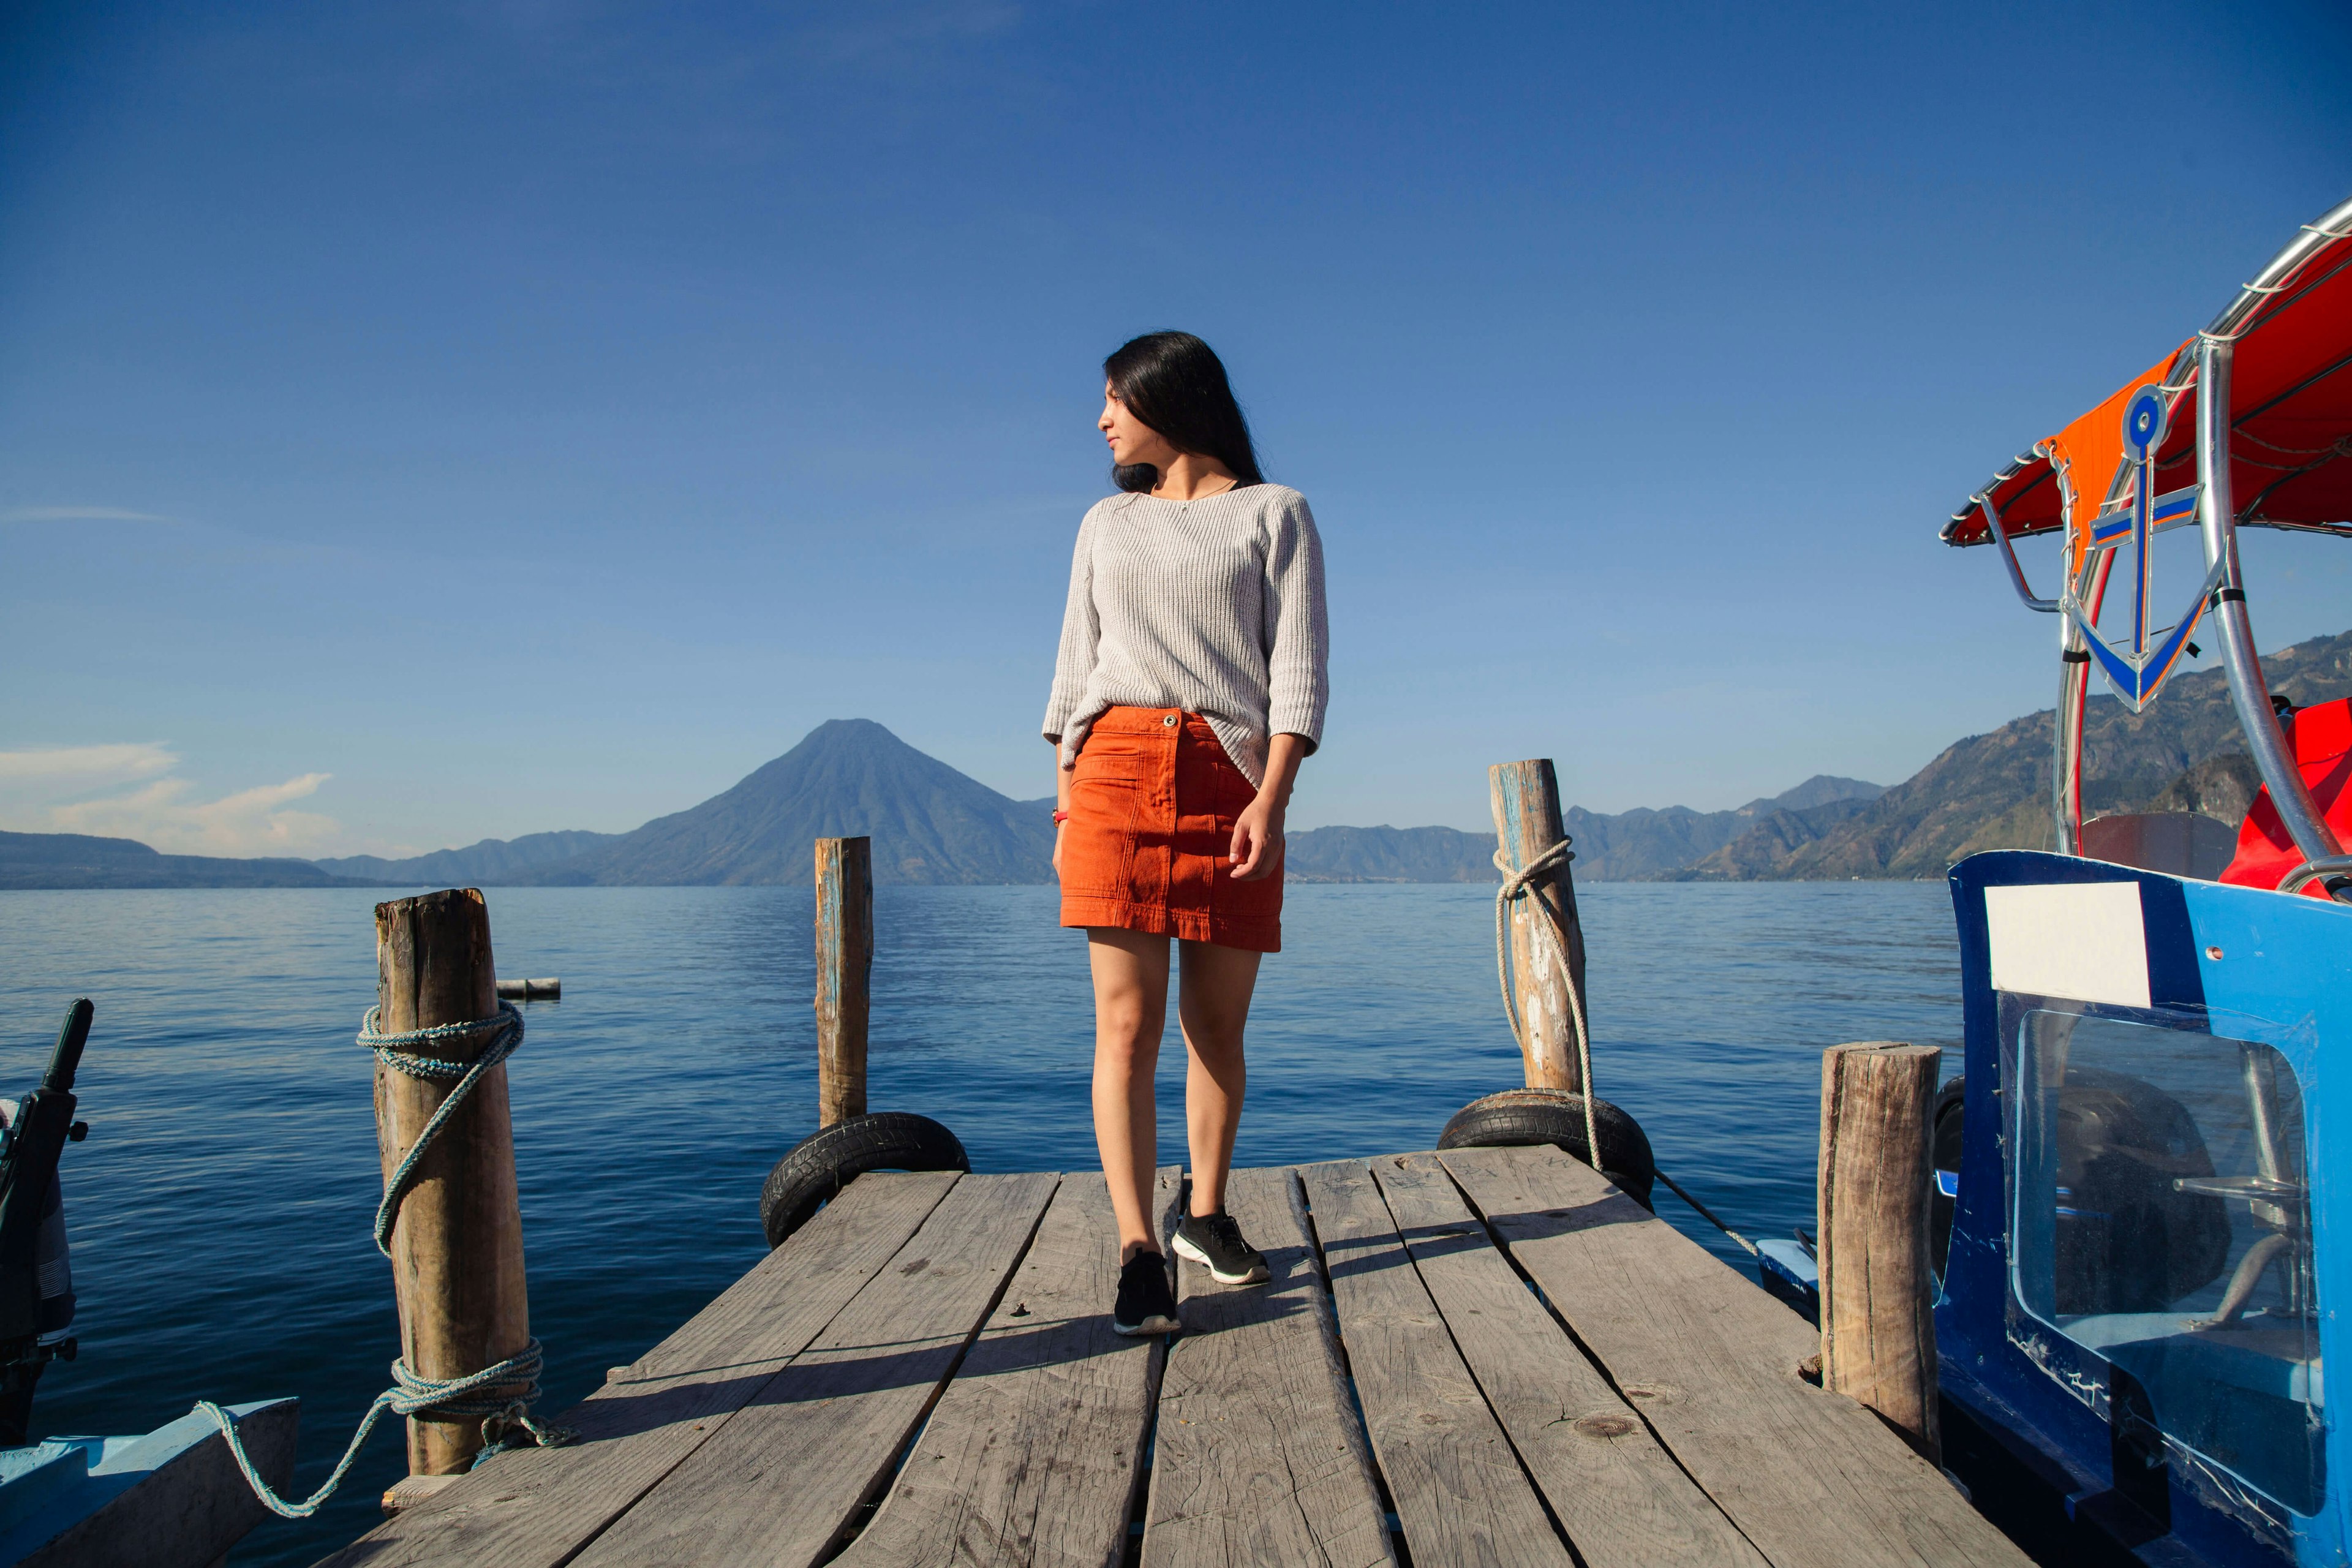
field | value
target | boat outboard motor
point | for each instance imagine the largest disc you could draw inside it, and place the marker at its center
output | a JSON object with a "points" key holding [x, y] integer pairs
{"points": [[36, 1301]]}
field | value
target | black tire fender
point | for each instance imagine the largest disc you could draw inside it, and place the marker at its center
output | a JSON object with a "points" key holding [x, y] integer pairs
{"points": [[814, 1173], [1518, 1116]]}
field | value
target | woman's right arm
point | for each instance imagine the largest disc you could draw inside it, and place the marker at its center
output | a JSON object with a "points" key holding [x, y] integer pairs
{"points": [[1074, 661]]}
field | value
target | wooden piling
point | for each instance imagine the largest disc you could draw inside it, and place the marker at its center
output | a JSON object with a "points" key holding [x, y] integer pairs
{"points": [[1878, 1329], [1526, 797], [844, 970], [456, 1245]]}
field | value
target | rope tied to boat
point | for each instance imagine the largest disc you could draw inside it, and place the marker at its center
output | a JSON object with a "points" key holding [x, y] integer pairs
{"points": [[500, 1396], [1519, 882]]}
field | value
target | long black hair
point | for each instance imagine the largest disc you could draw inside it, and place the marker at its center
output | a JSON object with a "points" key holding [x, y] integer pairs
{"points": [[1176, 384]]}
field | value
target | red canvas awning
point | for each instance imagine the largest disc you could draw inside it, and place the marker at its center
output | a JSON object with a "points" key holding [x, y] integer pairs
{"points": [[2290, 414]]}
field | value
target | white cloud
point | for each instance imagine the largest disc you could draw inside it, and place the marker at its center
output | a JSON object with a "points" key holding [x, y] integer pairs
{"points": [[87, 766], [127, 791], [80, 514]]}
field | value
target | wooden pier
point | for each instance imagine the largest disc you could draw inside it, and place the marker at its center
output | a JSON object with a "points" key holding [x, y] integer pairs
{"points": [[1484, 1357]]}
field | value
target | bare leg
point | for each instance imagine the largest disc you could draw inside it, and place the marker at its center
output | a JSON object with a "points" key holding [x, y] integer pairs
{"points": [[1213, 1009], [1130, 971]]}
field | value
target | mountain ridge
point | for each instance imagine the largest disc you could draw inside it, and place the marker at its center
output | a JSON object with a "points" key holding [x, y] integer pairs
{"points": [[1610, 847], [52, 861], [932, 824], [490, 857], [1992, 790]]}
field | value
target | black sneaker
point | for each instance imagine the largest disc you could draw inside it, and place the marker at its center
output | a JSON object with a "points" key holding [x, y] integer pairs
{"points": [[1216, 1243], [1146, 1305]]}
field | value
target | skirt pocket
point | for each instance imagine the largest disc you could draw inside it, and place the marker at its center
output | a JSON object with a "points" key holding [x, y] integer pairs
{"points": [[1107, 796]]}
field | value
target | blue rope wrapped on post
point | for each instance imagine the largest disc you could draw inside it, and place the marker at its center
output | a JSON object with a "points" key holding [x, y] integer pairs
{"points": [[502, 1393]]}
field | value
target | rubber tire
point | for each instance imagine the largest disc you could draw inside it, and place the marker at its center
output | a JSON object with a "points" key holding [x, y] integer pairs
{"points": [[1519, 1117], [812, 1174]]}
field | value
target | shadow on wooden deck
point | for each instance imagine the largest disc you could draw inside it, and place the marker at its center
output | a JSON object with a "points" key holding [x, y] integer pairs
{"points": [[1482, 1357]]}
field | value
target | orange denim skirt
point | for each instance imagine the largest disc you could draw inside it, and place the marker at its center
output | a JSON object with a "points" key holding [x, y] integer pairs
{"points": [[1152, 805]]}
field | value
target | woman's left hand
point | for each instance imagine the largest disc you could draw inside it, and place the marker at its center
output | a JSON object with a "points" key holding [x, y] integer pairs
{"points": [[1257, 841]]}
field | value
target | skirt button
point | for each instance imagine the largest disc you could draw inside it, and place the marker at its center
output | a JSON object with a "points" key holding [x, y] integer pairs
{"points": [[1169, 720]]}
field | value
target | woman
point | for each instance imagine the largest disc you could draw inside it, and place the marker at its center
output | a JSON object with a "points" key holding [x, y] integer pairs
{"points": [[1188, 687]]}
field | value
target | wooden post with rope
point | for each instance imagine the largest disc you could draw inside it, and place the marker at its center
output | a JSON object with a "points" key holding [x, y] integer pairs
{"points": [[1526, 798], [1878, 1326], [456, 1247], [845, 970]]}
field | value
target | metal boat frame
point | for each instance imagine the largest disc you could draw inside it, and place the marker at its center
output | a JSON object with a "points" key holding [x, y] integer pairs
{"points": [[2130, 1033], [2203, 362]]}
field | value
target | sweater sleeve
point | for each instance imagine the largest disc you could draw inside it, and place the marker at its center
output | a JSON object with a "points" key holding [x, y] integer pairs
{"points": [[1298, 633], [1081, 631]]}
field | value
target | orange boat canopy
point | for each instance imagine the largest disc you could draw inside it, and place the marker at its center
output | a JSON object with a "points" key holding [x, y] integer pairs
{"points": [[2290, 415]]}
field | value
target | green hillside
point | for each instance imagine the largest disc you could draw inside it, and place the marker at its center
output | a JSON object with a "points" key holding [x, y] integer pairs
{"points": [[1992, 790]]}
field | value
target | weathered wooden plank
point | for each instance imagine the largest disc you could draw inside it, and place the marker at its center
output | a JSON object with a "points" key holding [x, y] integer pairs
{"points": [[536, 1507], [1622, 1499], [1460, 1495], [1259, 1457], [1709, 1361], [413, 1492], [1033, 1454], [778, 1484]]}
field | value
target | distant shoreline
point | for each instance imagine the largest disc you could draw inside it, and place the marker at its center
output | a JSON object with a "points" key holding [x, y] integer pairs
{"points": [[933, 825]]}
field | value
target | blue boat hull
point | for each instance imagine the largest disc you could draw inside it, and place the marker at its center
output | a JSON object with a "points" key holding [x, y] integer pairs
{"points": [[2139, 1290]]}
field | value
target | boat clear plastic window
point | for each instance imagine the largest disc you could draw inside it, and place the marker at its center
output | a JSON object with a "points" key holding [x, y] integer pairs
{"points": [[2162, 1224]]}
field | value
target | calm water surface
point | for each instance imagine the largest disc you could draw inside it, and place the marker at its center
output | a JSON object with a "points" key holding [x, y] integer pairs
{"points": [[220, 1210]]}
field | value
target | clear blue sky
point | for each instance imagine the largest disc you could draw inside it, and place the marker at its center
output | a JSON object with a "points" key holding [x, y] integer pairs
{"points": [[423, 421]]}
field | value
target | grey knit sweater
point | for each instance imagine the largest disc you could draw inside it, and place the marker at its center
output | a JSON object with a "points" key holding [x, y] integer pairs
{"points": [[1215, 606]]}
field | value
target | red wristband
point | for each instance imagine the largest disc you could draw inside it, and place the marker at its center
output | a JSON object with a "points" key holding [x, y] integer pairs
{"points": [[1061, 816]]}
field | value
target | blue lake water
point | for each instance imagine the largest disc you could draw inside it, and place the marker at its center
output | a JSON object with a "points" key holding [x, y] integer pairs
{"points": [[220, 1210]]}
